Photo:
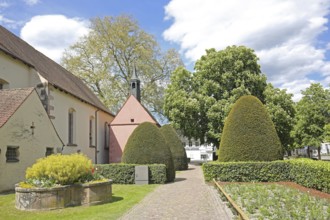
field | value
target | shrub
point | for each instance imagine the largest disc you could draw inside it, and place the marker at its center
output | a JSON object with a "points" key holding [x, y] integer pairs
{"points": [[247, 171], [60, 169], [311, 173], [146, 145], [118, 173], [249, 133], [306, 172], [125, 173], [178, 152]]}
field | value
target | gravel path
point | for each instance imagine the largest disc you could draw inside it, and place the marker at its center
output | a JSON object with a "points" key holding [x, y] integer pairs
{"points": [[187, 198]]}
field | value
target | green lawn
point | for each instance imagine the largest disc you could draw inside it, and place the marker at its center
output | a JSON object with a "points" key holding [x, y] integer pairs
{"points": [[124, 197], [274, 201]]}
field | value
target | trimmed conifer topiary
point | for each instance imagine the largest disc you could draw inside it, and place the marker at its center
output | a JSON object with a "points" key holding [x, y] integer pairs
{"points": [[249, 133], [178, 152], [147, 145]]}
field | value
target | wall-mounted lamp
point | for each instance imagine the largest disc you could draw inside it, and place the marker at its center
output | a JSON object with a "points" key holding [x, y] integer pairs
{"points": [[32, 128]]}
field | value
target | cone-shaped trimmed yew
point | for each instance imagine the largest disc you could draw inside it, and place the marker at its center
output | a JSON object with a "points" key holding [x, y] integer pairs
{"points": [[147, 145], [178, 152], [249, 133]]}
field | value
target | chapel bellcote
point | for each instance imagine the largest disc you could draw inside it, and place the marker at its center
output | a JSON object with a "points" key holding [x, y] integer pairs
{"points": [[135, 86]]}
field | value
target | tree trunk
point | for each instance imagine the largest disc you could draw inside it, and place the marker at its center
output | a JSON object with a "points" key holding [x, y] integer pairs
{"points": [[308, 152]]}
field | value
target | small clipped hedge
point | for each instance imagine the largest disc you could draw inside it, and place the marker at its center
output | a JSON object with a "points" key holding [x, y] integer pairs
{"points": [[306, 172], [311, 173], [125, 173], [178, 152], [147, 145], [249, 133]]}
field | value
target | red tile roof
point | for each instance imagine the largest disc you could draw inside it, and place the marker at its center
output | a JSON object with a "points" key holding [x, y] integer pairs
{"points": [[54, 73], [10, 101]]}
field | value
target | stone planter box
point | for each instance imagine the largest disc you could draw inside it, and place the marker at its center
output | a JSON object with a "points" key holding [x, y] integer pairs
{"points": [[63, 196]]}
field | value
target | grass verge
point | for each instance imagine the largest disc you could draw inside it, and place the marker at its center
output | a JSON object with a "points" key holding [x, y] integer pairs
{"points": [[124, 197], [274, 201]]}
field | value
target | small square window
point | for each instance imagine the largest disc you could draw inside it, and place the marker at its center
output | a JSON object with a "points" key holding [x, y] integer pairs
{"points": [[12, 154], [190, 144], [132, 120], [49, 151]]}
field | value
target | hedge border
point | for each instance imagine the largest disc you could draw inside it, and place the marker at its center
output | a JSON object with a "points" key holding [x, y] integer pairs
{"points": [[125, 173], [306, 172]]}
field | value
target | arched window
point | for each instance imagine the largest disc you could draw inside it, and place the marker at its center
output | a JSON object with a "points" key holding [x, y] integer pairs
{"points": [[72, 127], [106, 135], [4, 84], [91, 131]]}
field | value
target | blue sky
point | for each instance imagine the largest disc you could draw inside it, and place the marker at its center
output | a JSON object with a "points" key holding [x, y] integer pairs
{"points": [[291, 37]]}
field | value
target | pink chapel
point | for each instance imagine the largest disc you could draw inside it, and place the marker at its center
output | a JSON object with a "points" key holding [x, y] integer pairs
{"points": [[127, 119]]}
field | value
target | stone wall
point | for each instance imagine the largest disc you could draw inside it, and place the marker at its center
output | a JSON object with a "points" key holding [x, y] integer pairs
{"points": [[63, 196]]}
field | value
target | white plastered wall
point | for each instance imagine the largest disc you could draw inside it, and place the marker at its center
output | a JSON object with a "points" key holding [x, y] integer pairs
{"points": [[17, 132], [62, 102], [16, 73]]}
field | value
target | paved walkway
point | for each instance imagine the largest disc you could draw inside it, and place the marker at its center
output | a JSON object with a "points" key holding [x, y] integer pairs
{"points": [[187, 198]]}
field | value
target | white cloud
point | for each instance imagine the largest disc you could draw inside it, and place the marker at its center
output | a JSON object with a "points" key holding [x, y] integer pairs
{"points": [[52, 34], [283, 33], [31, 2], [4, 5]]}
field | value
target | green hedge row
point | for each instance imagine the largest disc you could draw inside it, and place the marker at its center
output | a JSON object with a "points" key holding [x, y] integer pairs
{"points": [[306, 172], [125, 173]]}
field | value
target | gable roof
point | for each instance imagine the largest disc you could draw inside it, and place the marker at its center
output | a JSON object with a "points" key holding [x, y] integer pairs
{"points": [[133, 109], [54, 73], [10, 101]]}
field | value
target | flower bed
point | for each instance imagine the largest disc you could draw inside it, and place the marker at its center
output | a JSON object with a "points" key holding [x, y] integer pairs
{"points": [[60, 181], [63, 196]]}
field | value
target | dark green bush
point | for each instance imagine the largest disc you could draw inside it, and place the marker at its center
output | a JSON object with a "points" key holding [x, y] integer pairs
{"points": [[247, 171], [306, 172], [125, 173], [311, 173], [147, 145], [249, 133], [119, 173], [178, 152]]}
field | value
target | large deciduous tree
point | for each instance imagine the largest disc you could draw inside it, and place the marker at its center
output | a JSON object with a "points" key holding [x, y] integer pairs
{"points": [[106, 58], [281, 108], [313, 113], [198, 103]]}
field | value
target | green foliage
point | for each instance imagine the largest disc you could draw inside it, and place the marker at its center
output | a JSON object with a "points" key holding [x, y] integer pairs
{"points": [[147, 145], [327, 133], [178, 152], [60, 169], [249, 133], [247, 171], [125, 173], [118, 173], [198, 103], [311, 173], [306, 172], [313, 113], [285, 202], [105, 60], [281, 109]]}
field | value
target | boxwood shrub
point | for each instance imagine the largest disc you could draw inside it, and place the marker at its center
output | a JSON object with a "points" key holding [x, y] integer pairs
{"points": [[306, 172], [125, 173], [178, 152], [147, 145], [249, 133], [311, 173]]}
